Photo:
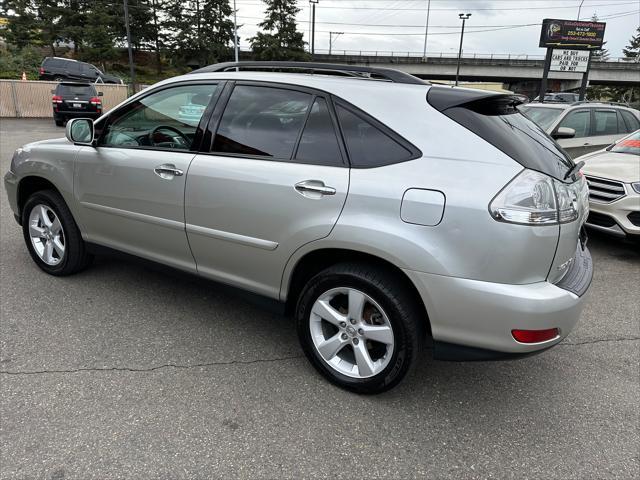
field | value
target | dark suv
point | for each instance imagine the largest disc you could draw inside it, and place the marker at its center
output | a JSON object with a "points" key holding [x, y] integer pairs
{"points": [[56, 68], [75, 100]]}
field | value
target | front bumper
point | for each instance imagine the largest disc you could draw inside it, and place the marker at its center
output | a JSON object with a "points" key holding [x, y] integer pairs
{"points": [[11, 186], [613, 218], [481, 315]]}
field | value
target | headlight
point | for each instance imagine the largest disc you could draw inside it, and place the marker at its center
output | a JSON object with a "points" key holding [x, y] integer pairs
{"points": [[533, 198], [636, 187]]}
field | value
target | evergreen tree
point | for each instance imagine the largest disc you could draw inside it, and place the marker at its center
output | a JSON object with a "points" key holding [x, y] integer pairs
{"points": [[280, 38], [601, 54], [49, 13], [72, 22], [633, 49], [23, 27]]}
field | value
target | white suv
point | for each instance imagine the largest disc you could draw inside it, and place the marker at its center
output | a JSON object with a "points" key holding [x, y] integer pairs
{"points": [[377, 209]]}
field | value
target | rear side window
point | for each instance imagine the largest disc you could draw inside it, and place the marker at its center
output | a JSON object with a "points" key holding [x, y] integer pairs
{"points": [[368, 145], [606, 122], [580, 121], [319, 143], [631, 121], [262, 121], [543, 116], [54, 63]]}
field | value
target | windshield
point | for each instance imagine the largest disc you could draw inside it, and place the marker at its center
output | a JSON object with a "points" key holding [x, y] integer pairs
{"points": [[541, 115], [630, 144]]}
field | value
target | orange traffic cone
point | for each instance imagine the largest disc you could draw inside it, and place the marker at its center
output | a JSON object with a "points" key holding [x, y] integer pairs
{"points": [[24, 76]]}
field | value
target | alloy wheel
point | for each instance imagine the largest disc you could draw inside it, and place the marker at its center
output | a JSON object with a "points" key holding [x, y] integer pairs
{"points": [[47, 235], [351, 332]]}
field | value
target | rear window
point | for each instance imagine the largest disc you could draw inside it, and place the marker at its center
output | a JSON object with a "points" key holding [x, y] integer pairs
{"points": [[496, 119], [75, 90], [541, 115], [630, 144]]}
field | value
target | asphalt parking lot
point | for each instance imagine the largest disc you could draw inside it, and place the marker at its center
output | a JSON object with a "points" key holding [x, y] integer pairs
{"points": [[128, 370]]}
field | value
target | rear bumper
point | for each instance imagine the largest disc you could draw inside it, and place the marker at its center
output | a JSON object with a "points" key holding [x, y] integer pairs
{"points": [[76, 114], [480, 315]]}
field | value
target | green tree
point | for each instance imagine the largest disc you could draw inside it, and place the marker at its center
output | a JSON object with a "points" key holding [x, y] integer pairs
{"points": [[280, 38], [72, 22], [602, 54], [633, 49], [49, 13], [23, 27]]}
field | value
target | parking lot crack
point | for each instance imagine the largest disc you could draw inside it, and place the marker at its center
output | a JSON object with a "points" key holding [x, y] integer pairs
{"points": [[151, 369], [601, 340]]}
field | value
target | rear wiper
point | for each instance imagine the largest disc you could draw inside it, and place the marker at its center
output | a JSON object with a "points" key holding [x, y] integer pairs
{"points": [[573, 170]]}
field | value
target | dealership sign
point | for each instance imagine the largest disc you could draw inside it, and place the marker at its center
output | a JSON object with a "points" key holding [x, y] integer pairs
{"points": [[569, 60], [572, 34]]}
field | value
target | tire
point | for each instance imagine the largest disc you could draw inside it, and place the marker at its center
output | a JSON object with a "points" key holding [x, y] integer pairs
{"points": [[387, 305], [59, 123], [58, 79], [66, 251]]}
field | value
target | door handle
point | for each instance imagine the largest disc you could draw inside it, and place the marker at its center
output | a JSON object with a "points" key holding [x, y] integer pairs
{"points": [[168, 171], [314, 186]]}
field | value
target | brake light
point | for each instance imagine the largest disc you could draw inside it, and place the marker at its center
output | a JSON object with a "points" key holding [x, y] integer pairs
{"points": [[41, 70], [56, 99], [535, 336]]}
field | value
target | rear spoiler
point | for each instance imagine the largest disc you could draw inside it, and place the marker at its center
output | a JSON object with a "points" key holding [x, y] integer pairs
{"points": [[484, 101]]}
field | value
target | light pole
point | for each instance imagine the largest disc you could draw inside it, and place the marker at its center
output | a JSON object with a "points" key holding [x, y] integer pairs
{"points": [[331, 34], [132, 70], [464, 17], [579, 8], [313, 27], [235, 31], [426, 31]]}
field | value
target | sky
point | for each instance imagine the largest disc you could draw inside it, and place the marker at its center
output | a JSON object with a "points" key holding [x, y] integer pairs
{"points": [[399, 26]]}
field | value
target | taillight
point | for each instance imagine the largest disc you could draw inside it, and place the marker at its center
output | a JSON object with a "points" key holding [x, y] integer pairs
{"points": [[535, 336], [56, 99], [41, 70], [96, 101]]}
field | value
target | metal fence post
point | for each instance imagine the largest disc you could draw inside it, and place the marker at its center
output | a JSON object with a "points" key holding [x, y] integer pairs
{"points": [[14, 97]]}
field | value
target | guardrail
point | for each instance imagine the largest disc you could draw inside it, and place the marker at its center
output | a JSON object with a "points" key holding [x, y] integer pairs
{"points": [[32, 99]]}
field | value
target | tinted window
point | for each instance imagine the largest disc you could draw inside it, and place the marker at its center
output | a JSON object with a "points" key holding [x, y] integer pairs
{"points": [[606, 122], [319, 143], [541, 115], [73, 66], [75, 90], [55, 63], [165, 119], [631, 121], [579, 121], [262, 121], [368, 145]]}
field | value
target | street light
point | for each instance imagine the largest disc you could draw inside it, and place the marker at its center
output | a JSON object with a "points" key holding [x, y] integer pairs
{"points": [[464, 17], [331, 34], [313, 27]]}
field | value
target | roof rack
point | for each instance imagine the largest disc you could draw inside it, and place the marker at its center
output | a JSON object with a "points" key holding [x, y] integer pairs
{"points": [[387, 74], [580, 102]]}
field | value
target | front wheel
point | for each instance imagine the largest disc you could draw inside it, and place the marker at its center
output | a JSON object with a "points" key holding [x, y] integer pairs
{"points": [[52, 236], [359, 327]]}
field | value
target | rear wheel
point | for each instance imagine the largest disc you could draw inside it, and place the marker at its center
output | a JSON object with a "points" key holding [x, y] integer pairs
{"points": [[52, 236], [359, 327], [59, 123]]}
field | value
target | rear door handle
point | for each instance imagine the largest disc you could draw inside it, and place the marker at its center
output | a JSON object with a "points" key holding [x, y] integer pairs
{"points": [[168, 171], [314, 186]]}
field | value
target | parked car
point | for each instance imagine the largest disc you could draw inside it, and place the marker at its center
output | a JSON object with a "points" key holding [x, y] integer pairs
{"points": [[378, 211], [560, 97], [75, 100], [613, 176], [583, 127], [60, 69]]}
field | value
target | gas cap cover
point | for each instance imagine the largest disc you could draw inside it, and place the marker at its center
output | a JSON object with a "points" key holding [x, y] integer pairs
{"points": [[422, 207]]}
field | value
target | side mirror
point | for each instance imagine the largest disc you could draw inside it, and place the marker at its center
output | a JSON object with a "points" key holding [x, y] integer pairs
{"points": [[80, 131], [100, 94], [564, 132]]}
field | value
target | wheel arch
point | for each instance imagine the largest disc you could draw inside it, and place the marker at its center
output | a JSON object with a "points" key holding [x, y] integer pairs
{"points": [[314, 261], [30, 185]]}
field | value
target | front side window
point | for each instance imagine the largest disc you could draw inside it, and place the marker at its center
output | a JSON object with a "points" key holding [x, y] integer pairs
{"points": [[580, 121], [606, 122], [369, 146], [262, 121], [165, 119]]}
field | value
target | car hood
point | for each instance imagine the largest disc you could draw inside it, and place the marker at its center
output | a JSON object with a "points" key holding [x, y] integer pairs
{"points": [[623, 167]]}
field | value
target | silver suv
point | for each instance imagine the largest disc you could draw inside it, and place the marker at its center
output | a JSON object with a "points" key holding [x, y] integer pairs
{"points": [[584, 127], [379, 210]]}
